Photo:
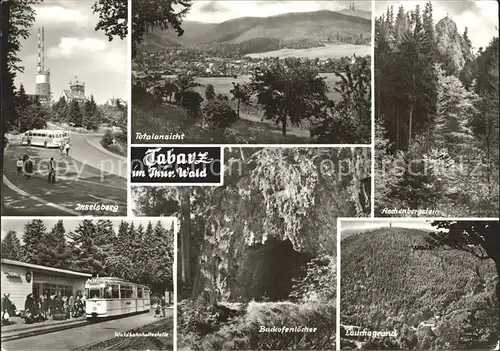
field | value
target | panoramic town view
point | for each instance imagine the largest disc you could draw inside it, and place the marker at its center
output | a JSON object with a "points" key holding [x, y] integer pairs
{"points": [[64, 117], [227, 74]]}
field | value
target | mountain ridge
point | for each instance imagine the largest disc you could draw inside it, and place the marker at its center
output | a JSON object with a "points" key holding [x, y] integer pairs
{"points": [[315, 25]]}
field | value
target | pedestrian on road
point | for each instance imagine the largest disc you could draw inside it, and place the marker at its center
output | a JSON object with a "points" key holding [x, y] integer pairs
{"points": [[19, 165], [8, 309], [71, 305], [66, 148], [28, 167], [61, 148], [29, 309], [52, 171], [163, 306]]}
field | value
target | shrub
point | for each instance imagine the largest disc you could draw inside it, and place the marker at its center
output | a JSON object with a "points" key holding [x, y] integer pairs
{"points": [[218, 113], [243, 333], [108, 138]]}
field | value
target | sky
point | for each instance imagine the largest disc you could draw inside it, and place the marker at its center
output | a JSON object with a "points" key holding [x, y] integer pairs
{"points": [[74, 48], [373, 224], [70, 224], [223, 10], [479, 16]]}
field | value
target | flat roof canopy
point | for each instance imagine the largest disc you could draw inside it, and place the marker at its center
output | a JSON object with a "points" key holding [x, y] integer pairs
{"points": [[45, 268]]}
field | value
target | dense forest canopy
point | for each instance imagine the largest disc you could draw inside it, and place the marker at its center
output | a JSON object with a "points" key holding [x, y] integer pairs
{"points": [[139, 254], [433, 298], [437, 116]]}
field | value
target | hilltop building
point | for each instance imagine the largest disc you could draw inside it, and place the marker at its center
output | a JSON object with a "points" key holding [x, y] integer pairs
{"points": [[76, 92]]}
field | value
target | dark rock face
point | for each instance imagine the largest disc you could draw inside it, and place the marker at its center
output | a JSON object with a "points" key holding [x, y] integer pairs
{"points": [[453, 50]]}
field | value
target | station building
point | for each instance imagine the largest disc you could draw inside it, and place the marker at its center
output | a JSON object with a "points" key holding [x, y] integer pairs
{"points": [[20, 279]]}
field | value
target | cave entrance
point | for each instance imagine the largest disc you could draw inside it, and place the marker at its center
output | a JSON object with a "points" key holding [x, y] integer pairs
{"points": [[267, 271]]}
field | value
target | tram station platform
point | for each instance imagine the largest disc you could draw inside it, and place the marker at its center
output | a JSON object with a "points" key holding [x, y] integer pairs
{"points": [[19, 329]]}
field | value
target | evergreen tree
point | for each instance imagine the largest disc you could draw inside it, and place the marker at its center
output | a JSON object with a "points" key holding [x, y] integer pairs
{"points": [[34, 231], [61, 109], [466, 38], [87, 255], [53, 250], [454, 113], [11, 246], [210, 92], [75, 115]]}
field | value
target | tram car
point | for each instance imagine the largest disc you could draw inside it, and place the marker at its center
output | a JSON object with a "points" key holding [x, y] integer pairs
{"points": [[109, 297]]}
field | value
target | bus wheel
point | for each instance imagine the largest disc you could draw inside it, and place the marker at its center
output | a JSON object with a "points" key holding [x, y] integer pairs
{"points": [[45, 144]]}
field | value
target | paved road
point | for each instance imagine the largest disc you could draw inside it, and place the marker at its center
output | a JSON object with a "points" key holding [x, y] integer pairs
{"points": [[80, 186], [71, 339], [86, 149]]}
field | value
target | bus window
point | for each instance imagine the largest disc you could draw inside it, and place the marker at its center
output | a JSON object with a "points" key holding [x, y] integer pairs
{"points": [[44, 135], [115, 292], [139, 292], [94, 293]]}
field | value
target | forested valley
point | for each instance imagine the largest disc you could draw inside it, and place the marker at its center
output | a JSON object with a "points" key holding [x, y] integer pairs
{"points": [[436, 103], [260, 250], [137, 253], [433, 290]]}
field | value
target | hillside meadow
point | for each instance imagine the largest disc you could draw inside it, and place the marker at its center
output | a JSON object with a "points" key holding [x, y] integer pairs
{"points": [[324, 52], [223, 85]]}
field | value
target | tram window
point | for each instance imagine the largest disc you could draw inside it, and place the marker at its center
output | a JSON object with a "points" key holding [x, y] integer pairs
{"points": [[139, 292], [125, 292], [115, 292], [95, 293], [108, 292]]}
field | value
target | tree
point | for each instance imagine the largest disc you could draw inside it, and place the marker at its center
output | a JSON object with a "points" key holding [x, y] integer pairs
{"points": [[53, 249], [466, 38], [288, 91], [16, 19], [241, 94], [478, 238], [210, 92], [157, 14], [454, 113], [75, 115], [113, 17], [34, 231], [219, 114], [61, 109], [11, 246]]}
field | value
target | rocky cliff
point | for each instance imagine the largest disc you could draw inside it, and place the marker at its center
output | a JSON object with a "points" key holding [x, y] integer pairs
{"points": [[452, 48]]}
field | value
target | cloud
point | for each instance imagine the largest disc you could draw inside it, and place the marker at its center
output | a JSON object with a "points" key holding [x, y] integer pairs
{"points": [[212, 7], [74, 46], [59, 14]]}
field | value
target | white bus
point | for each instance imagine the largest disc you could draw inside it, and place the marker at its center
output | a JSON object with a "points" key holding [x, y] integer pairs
{"points": [[45, 138], [109, 296]]}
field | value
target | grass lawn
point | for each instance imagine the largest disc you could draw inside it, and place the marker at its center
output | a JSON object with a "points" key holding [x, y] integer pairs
{"points": [[164, 325], [168, 119], [76, 185]]}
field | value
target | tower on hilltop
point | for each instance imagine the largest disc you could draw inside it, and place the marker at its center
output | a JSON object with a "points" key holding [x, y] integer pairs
{"points": [[42, 75]]}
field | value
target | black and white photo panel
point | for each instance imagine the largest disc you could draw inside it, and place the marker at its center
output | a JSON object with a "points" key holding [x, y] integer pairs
{"points": [[419, 284], [64, 108], [88, 284], [436, 109], [252, 72], [257, 256]]}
